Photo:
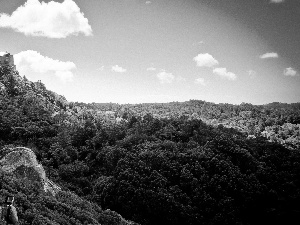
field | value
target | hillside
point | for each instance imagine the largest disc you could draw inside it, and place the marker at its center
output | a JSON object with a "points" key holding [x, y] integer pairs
{"points": [[36, 207], [26, 109], [177, 163], [278, 122], [39, 200]]}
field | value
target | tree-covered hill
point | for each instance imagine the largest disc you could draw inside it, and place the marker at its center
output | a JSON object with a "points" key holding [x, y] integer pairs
{"points": [[177, 163], [27, 116], [278, 122], [38, 208]]}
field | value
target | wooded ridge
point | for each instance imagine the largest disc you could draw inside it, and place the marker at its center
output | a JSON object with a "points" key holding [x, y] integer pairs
{"points": [[190, 162]]}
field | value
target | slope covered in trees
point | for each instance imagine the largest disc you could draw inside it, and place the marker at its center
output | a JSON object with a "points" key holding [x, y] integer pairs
{"points": [[278, 122], [176, 163], [36, 208], [27, 112]]}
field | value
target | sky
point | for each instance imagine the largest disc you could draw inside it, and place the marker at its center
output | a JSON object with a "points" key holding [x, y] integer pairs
{"points": [[139, 51]]}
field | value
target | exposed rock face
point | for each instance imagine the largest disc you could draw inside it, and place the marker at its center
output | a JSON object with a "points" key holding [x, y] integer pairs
{"points": [[23, 161], [7, 59]]}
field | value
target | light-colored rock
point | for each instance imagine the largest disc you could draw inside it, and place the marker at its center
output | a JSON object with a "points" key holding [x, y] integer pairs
{"points": [[21, 156]]}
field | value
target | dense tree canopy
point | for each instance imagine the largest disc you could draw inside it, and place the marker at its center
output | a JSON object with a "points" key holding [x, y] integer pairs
{"points": [[177, 163]]}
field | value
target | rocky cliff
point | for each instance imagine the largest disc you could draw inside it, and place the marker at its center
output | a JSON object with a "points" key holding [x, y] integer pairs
{"points": [[23, 163]]}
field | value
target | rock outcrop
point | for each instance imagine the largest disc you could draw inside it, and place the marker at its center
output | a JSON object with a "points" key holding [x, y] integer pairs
{"points": [[6, 59], [23, 162]]}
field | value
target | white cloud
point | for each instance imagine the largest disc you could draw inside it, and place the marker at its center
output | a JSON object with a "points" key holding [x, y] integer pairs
{"points": [[290, 72], [269, 55], [65, 76], [205, 60], [251, 73], [118, 69], [151, 69], [27, 61], [52, 19], [148, 2], [199, 43], [276, 1], [222, 72], [2, 53], [200, 81], [101, 68], [165, 77]]}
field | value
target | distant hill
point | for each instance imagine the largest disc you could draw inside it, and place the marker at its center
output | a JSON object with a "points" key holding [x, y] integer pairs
{"points": [[278, 122]]}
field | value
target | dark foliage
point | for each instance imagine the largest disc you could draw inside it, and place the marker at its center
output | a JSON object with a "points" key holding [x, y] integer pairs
{"points": [[176, 163]]}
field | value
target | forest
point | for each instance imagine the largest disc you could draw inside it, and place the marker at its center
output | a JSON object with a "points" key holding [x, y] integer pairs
{"points": [[191, 162]]}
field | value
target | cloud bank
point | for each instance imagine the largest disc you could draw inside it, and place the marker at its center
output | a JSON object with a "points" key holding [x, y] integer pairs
{"points": [[222, 72], [30, 60], [118, 69], [290, 72], [269, 55], [205, 60], [52, 19]]}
